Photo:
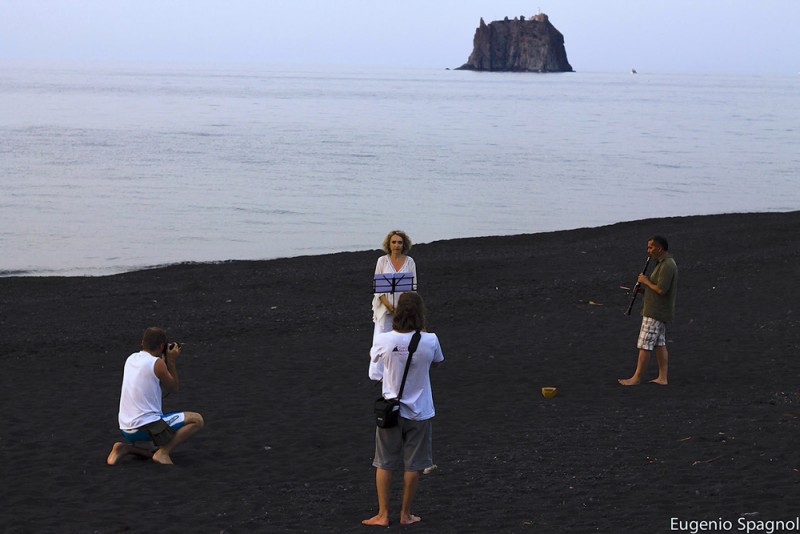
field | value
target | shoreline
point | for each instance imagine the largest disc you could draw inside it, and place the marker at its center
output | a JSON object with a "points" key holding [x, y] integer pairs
{"points": [[276, 362], [83, 272]]}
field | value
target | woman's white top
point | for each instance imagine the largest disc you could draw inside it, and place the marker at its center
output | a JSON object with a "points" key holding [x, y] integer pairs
{"points": [[385, 266], [380, 314]]}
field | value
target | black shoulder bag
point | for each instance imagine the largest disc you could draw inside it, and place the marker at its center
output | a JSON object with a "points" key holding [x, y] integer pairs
{"points": [[387, 411], [160, 432]]}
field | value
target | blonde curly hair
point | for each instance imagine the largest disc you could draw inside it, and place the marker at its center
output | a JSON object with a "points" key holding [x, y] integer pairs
{"points": [[406, 241]]}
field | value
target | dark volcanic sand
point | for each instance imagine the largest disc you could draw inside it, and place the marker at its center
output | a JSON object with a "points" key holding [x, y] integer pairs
{"points": [[276, 361]]}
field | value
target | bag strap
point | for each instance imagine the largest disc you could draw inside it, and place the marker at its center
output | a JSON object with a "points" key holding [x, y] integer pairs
{"points": [[411, 348]]}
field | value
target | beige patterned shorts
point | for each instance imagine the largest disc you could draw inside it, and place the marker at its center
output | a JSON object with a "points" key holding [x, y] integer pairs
{"points": [[652, 334]]}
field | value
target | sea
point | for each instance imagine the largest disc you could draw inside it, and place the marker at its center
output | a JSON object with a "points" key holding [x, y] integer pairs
{"points": [[113, 168]]}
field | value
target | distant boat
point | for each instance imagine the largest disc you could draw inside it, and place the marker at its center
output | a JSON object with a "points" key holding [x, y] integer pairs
{"points": [[633, 71]]}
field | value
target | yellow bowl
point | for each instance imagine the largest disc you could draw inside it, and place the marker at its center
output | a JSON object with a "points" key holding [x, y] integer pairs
{"points": [[549, 392]]}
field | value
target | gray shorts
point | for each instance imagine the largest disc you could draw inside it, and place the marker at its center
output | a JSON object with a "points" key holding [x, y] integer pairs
{"points": [[652, 334], [409, 445]]}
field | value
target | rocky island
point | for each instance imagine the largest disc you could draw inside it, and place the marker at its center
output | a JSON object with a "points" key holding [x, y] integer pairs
{"points": [[518, 45]]}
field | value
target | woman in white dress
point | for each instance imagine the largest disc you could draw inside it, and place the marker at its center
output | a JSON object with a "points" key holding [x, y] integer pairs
{"points": [[396, 244]]}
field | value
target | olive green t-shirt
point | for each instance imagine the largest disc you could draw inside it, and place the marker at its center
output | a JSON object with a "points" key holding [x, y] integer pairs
{"points": [[665, 276]]}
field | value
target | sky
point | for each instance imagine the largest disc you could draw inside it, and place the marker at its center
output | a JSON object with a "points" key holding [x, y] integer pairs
{"points": [[679, 36]]}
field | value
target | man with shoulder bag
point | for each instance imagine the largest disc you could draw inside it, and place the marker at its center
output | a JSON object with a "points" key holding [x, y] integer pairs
{"points": [[407, 354]]}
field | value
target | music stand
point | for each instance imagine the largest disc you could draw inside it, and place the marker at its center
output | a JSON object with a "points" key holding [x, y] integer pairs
{"points": [[393, 283]]}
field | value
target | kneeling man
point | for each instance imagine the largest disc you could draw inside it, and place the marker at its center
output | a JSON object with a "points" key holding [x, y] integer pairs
{"points": [[141, 419]]}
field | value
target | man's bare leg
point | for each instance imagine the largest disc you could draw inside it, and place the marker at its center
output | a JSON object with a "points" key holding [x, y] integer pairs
{"points": [[383, 483], [122, 449], [193, 423], [662, 357], [641, 367], [410, 480]]}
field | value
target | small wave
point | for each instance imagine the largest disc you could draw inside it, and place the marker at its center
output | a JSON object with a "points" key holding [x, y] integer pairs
{"points": [[6, 274], [260, 211], [667, 165], [195, 134], [98, 271]]}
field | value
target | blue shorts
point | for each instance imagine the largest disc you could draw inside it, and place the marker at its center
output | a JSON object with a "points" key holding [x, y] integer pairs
{"points": [[175, 420]]}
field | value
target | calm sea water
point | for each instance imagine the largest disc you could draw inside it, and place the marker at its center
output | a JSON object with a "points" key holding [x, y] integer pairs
{"points": [[109, 169]]}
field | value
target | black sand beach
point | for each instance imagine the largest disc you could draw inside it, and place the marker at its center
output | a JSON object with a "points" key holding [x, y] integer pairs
{"points": [[276, 361]]}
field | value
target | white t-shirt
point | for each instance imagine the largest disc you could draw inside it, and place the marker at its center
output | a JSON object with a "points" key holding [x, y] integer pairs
{"points": [[392, 349], [140, 399]]}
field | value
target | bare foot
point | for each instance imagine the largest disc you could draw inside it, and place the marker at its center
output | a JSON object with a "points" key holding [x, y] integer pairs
{"points": [[628, 381], [378, 520], [117, 451], [659, 381], [409, 519], [161, 457]]}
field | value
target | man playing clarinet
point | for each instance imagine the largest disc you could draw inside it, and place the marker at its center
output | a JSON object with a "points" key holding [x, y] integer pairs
{"points": [[660, 289]]}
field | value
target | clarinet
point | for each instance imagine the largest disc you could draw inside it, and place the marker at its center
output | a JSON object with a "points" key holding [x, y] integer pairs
{"points": [[636, 287]]}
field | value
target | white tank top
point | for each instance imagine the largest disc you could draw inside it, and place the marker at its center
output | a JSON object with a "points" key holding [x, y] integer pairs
{"points": [[140, 400]]}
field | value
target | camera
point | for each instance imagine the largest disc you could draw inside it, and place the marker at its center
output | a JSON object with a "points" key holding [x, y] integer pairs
{"points": [[171, 346]]}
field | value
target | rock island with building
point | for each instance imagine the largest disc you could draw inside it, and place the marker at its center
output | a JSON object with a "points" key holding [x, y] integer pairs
{"points": [[518, 45]]}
